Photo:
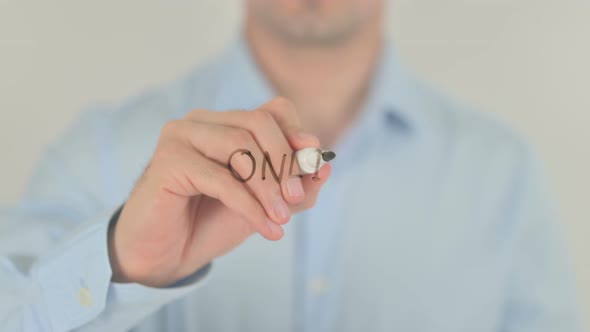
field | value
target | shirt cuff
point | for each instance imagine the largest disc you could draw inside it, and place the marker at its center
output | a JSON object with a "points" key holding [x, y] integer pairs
{"points": [[74, 280], [132, 293]]}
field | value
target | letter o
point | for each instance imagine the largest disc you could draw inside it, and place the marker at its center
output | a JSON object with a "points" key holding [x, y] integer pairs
{"points": [[233, 171]]}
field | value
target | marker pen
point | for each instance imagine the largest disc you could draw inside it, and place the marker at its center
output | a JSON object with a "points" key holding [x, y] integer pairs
{"points": [[310, 160]]}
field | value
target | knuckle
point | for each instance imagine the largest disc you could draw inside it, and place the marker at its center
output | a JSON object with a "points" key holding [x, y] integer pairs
{"points": [[167, 149], [171, 128], [239, 137], [283, 103], [260, 117]]}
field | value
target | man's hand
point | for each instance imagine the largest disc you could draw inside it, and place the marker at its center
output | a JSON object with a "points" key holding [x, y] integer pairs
{"points": [[187, 208]]}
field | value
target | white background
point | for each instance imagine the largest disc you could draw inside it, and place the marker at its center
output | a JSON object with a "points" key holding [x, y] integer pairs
{"points": [[526, 61]]}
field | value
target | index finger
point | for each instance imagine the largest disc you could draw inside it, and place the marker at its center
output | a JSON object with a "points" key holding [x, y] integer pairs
{"points": [[285, 114]]}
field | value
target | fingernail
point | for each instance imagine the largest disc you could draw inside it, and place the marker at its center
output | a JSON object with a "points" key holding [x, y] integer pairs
{"points": [[295, 187], [274, 228], [281, 209]]}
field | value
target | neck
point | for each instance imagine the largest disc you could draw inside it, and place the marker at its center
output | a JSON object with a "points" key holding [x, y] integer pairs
{"points": [[327, 83]]}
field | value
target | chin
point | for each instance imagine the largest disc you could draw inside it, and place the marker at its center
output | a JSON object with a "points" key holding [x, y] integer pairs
{"points": [[314, 21]]}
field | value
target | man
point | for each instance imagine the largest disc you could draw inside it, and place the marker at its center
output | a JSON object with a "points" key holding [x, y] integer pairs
{"points": [[431, 218]]}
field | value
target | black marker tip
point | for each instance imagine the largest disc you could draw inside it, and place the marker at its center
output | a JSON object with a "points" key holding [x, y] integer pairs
{"points": [[328, 155]]}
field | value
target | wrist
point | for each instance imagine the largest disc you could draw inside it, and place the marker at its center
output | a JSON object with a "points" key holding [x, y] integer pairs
{"points": [[117, 271]]}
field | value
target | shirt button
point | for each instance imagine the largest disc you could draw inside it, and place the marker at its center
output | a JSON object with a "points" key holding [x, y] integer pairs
{"points": [[318, 286], [84, 297]]}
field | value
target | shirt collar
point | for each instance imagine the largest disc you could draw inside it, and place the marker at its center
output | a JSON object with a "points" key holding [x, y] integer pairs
{"points": [[393, 98]]}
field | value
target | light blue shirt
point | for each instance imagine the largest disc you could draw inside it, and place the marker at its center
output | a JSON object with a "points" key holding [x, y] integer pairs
{"points": [[436, 219]]}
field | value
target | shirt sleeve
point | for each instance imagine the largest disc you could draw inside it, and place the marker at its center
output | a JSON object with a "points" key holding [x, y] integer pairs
{"points": [[541, 292], [55, 273]]}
